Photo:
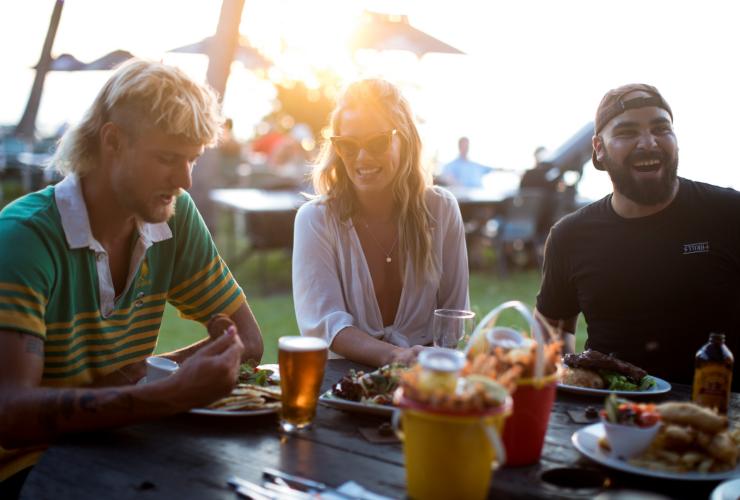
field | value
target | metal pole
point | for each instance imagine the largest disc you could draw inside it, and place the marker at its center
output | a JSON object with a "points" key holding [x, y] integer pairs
{"points": [[27, 126], [223, 45], [220, 53]]}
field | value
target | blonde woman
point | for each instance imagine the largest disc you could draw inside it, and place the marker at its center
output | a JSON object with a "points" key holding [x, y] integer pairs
{"points": [[379, 249]]}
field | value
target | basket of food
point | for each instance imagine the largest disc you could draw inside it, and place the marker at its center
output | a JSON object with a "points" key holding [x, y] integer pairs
{"points": [[530, 365], [450, 426]]}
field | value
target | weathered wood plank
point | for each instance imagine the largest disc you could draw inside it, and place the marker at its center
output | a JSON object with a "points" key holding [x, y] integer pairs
{"points": [[190, 457]]}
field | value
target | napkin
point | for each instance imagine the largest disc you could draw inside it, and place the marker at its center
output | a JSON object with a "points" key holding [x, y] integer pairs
{"points": [[352, 490]]}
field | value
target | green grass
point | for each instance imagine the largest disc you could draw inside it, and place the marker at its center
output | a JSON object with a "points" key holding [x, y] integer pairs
{"points": [[267, 285]]}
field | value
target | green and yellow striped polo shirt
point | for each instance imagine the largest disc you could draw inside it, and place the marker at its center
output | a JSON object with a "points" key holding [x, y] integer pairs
{"points": [[55, 283]]}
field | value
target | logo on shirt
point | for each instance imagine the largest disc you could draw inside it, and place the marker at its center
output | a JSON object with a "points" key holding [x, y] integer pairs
{"points": [[689, 248], [143, 276]]}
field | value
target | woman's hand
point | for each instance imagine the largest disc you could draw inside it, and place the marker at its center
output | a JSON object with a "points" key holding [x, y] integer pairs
{"points": [[405, 355]]}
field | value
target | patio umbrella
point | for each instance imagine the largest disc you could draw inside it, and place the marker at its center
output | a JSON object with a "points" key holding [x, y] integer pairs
{"points": [[250, 57], [65, 62], [388, 32], [68, 62], [109, 61]]}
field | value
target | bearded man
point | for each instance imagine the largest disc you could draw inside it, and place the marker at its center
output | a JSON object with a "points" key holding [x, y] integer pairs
{"points": [[87, 266], [655, 266]]}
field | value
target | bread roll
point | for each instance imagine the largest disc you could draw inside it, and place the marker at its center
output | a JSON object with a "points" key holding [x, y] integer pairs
{"points": [[218, 324], [582, 378], [691, 414]]}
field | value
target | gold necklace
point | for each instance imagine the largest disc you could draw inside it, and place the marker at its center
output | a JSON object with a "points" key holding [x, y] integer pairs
{"points": [[388, 259]]}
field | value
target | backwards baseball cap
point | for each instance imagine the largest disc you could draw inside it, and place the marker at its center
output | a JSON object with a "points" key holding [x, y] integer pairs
{"points": [[614, 104]]}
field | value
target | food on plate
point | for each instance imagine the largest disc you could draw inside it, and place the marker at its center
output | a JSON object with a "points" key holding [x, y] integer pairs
{"points": [[624, 412], [595, 360], [614, 373], [250, 373], [692, 438], [582, 378], [257, 389], [218, 324], [374, 387], [629, 427], [247, 397], [690, 414]]}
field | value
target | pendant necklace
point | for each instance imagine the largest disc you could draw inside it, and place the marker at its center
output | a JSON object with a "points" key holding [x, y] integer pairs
{"points": [[388, 259]]}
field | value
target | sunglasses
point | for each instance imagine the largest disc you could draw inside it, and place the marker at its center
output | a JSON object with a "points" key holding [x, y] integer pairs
{"points": [[348, 147]]}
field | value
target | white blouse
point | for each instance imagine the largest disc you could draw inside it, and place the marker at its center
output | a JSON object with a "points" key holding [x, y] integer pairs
{"points": [[333, 289]]}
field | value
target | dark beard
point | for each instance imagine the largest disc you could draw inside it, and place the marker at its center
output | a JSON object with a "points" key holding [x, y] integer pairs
{"points": [[646, 191]]}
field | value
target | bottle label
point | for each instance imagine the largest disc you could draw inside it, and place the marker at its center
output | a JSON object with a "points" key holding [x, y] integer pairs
{"points": [[712, 384]]}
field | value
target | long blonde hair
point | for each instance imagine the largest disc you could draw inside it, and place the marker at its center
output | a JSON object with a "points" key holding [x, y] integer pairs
{"points": [[140, 95], [409, 186]]}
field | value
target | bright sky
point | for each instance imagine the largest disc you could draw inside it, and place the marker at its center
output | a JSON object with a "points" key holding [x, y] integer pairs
{"points": [[533, 73]]}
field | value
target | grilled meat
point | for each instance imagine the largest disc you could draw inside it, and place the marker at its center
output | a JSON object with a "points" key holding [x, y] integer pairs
{"points": [[595, 360]]}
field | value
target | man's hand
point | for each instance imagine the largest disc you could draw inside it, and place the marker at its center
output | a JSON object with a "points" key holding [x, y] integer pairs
{"points": [[209, 374], [559, 329]]}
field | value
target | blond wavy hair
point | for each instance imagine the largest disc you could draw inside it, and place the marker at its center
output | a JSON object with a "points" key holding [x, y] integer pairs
{"points": [[142, 95], [410, 183]]}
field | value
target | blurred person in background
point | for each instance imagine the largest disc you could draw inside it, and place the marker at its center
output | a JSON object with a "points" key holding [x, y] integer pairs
{"points": [[230, 156], [379, 248], [655, 266], [87, 266], [463, 172]]}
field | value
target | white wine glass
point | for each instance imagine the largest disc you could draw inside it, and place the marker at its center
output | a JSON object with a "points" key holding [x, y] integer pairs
{"points": [[452, 327]]}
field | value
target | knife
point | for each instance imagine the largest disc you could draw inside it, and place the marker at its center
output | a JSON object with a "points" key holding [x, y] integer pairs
{"points": [[273, 474], [268, 491]]}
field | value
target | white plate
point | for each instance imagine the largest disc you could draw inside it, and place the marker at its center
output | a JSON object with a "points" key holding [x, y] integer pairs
{"points": [[729, 490], [275, 377], [586, 440], [333, 401], [233, 413], [236, 413], [661, 387]]}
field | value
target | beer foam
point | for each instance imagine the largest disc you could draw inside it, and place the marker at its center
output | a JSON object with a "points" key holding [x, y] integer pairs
{"points": [[299, 344]]}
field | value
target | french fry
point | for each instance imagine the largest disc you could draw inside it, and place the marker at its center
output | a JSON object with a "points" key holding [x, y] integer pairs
{"points": [[706, 465]]}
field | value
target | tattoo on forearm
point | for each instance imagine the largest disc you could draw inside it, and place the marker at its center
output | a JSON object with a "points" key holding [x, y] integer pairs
{"points": [[114, 401], [35, 346], [48, 413], [88, 402], [65, 404]]}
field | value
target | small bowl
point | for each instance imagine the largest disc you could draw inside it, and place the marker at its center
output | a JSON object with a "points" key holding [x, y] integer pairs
{"points": [[627, 441]]}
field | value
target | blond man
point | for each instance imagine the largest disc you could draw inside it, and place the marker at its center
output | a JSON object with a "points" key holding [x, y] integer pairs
{"points": [[87, 267]]}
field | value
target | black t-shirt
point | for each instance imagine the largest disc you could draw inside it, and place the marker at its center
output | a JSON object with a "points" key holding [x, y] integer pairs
{"points": [[652, 288]]}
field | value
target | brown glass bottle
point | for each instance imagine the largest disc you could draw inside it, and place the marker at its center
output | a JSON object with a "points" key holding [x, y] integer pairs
{"points": [[713, 374]]}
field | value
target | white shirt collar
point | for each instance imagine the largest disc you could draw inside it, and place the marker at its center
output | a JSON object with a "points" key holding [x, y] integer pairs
{"points": [[76, 223]]}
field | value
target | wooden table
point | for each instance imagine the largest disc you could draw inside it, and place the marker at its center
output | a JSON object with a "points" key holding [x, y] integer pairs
{"points": [[264, 217], [191, 457]]}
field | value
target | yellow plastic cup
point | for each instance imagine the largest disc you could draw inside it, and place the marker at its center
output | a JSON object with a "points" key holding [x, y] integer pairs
{"points": [[450, 455]]}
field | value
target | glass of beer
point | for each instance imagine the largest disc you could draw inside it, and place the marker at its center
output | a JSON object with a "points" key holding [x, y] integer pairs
{"points": [[301, 361]]}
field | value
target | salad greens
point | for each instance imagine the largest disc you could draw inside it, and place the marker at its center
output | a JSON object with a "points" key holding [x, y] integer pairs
{"points": [[618, 382], [624, 412], [250, 374]]}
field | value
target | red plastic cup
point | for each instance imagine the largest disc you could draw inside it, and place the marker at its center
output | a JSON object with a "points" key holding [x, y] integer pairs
{"points": [[525, 429]]}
